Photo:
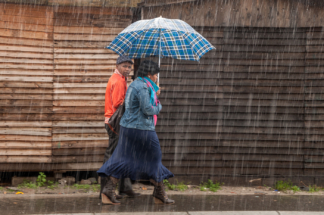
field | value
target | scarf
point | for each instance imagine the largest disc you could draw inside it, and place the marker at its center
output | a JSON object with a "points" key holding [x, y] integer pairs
{"points": [[153, 89]]}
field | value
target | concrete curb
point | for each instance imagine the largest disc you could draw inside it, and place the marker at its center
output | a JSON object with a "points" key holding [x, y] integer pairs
{"points": [[203, 213]]}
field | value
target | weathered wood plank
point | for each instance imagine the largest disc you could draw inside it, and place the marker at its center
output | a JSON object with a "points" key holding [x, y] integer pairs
{"points": [[78, 103], [25, 145], [25, 152], [80, 144], [25, 138], [19, 48], [27, 96], [26, 55], [26, 124], [25, 63], [79, 90], [81, 136], [27, 42], [29, 20], [77, 117], [26, 78], [80, 44], [37, 85], [26, 91], [25, 117], [78, 124], [81, 151], [264, 48], [25, 159], [79, 130], [85, 73], [25, 34], [19, 110], [79, 85], [106, 56], [98, 50], [86, 37], [87, 30], [27, 131], [77, 159], [67, 64], [27, 102], [25, 72], [81, 110], [81, 79]]}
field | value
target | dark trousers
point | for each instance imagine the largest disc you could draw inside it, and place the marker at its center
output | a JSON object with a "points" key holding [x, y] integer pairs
{"points": [[124, 184]]}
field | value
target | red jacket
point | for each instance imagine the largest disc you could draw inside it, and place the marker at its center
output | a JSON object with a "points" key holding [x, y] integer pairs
{"points": [[115, 94]]}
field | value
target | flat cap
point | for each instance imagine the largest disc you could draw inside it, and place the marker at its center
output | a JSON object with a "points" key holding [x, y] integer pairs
{"points": [[124, 58]]}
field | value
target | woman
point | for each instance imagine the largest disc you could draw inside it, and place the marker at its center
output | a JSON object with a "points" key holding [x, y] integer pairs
{"points": [[138, 153]]}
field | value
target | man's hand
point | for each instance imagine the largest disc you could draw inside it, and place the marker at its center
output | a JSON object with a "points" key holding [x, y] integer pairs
{"points": [[158, 92]]}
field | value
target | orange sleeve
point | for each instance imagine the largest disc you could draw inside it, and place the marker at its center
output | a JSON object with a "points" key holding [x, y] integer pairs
{"points": [[118, 94]]}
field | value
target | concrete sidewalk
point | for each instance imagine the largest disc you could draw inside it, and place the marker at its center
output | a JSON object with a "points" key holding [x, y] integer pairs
{"points": [[204, 213]]}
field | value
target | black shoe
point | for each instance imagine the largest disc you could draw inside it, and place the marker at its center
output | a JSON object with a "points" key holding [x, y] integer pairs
{"points": [[129, 193]]}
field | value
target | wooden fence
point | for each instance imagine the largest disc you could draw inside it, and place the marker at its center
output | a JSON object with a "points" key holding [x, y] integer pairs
{"points": [[54, 70], [252, 108]]}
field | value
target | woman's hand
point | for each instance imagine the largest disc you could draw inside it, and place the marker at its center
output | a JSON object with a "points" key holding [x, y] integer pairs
{"points": [[158, 92]]}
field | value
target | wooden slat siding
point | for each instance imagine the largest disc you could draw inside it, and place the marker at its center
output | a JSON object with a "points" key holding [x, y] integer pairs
{"points": [[26, 83], [314, 105], [241, 109], [82, 69]]}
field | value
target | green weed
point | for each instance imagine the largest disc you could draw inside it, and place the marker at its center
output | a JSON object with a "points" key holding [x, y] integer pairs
{"points": [[314, 188], [283, 185], [51, 184], [214, 187], [179, 186], [95, 187], [41, 179], [295, 189], [27, 184]]}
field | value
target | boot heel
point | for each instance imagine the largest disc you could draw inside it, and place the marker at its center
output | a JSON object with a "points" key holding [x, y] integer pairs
{"points": [[106, 201], [157, 201]]}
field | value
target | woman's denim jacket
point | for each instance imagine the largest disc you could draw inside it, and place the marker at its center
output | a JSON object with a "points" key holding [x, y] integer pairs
{"points": [[138, 109]]}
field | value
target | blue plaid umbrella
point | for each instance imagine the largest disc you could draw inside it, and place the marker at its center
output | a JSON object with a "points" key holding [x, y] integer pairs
{"points": [[161, 37]]}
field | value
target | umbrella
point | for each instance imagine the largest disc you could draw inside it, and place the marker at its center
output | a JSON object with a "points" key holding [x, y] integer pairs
{"points": [[161, 37]]}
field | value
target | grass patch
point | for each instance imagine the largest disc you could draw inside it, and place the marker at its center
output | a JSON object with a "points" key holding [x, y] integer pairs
{"points": [[27, 184], [52, 185], [286, 185], [211, 186], [283, 185], [314, 188], [180, 186], [87, 187]]}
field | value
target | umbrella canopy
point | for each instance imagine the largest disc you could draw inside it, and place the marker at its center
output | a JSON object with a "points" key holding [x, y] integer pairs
{"points": [[161, 37]]}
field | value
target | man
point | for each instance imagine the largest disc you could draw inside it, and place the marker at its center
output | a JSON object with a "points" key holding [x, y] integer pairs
{"points": [[115, 95]]}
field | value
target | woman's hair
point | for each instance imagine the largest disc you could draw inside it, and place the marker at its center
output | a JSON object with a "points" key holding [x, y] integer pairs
{"points": [[146, 67]]}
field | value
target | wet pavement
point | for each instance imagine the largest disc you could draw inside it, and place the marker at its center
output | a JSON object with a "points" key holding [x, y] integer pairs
{"points": [[91, 204]]}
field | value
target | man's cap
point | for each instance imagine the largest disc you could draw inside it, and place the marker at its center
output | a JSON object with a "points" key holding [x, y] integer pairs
{"points": [[124, 58]]}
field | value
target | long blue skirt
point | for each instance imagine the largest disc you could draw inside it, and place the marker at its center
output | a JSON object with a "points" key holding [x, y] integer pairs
{"points": [[137, 156]]}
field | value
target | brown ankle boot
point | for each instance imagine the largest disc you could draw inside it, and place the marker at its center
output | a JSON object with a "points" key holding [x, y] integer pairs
{"points": [[103, 182], [159, 193], [108, 195]]}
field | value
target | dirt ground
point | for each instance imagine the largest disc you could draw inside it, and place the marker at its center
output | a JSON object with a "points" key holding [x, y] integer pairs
{"points": [[147, 190]]}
